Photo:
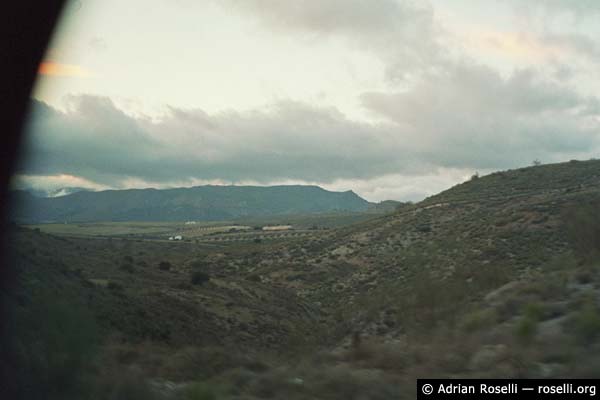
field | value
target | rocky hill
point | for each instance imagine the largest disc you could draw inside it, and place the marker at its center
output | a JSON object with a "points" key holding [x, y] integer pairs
{"points": [[514, 218], [488, 266]]}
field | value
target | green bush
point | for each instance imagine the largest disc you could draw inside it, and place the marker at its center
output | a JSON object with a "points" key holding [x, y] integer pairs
{"points": [[526, 329], [479, 319], [129, 268], [585, 275], [586, 323], [527, 326], [199, 264], [164, 266], [583, 230], [200, 391], [199, 278], [114, 286], [254, 277], [534, 311]]}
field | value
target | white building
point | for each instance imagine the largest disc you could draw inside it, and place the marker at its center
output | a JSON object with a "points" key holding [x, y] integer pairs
{"points": [[277, 228]]}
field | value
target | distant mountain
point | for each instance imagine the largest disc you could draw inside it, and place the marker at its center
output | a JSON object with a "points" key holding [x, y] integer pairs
{"points": [[196, 203], [35, 192]]}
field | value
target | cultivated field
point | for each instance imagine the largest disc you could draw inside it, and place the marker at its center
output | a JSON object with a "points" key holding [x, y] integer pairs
{"points": [[243, 230]]}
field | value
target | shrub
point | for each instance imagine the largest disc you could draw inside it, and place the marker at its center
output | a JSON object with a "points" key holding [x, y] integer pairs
{"points": [[199, 264], [127, 268], [114, 286], [526, 329], [583, 230], [164, 266], [200, 391], [479, 319], [527, 326], [534, 311], [184, 286], [584, 276], [586, 323], [199, 278]]}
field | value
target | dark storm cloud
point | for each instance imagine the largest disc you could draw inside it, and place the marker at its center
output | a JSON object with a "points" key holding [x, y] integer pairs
{"points": [[470, 117], [93, 138], [452, 113], [97, 141]]}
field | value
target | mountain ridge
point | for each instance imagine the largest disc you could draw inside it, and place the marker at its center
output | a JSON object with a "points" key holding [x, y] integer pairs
{"points": [[209, 202]]}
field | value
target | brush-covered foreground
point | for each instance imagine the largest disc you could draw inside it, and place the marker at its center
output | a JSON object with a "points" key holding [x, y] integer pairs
{"points": [[496, 277]]}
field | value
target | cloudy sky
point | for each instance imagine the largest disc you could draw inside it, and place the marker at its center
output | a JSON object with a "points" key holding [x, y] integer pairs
{"points": [[393, 99]]}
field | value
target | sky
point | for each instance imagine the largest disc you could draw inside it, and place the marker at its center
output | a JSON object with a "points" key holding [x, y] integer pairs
{"points": [[393, 99]]}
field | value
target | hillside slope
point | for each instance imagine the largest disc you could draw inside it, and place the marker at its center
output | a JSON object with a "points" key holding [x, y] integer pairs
{"points": [[128, 290], [468, 265], [495, 277], [513, 218]]}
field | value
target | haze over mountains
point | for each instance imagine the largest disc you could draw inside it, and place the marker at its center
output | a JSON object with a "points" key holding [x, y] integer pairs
{"points": [[209, 203], [58, 192]]}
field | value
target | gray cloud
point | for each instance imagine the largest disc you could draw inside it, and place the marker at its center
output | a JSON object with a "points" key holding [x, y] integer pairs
{"points": [[575, 44], [97, 141], [578, 8], [454, 116], [401, 32], [470, 117], [93, 139]]}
